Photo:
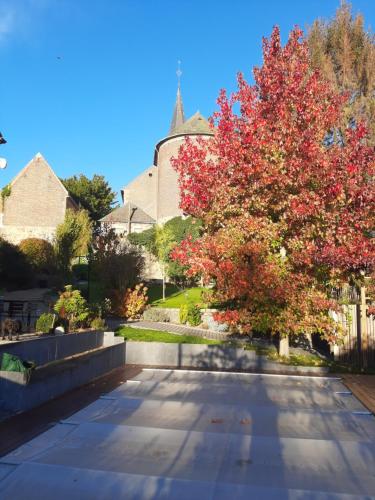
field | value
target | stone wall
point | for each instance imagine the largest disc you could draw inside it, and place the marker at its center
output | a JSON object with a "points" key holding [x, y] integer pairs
{"points": [[15, 234], [168, 192], [37, 198], [142, 191]]}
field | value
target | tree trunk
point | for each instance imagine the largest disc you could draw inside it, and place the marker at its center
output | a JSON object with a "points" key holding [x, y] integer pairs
{"points": [[163, 286], [284, 346]]}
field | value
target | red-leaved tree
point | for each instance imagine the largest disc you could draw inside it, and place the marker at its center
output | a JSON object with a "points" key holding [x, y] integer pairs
{"points": [[286, 197]]}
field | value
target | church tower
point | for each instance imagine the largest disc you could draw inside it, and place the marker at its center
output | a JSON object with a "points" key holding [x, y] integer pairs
{"points": [[155, 191], [168, 195]]}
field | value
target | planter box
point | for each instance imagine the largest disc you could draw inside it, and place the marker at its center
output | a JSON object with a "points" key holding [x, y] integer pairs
{"points": [[50, 348]]}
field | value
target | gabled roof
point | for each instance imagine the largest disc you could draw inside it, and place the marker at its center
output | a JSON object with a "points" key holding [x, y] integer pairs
{"points": [[38, 158], [121, 214]]}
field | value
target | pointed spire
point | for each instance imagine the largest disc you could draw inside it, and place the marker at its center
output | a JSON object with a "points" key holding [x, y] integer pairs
{"points": [[178, 113]]}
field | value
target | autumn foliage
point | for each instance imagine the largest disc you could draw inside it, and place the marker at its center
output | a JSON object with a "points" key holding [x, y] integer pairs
{"points": [[286, 197], [132, 303]]}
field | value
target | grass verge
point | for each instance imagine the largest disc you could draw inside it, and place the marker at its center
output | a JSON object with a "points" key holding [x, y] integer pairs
{"points": [[143, 335], [175, 297]]}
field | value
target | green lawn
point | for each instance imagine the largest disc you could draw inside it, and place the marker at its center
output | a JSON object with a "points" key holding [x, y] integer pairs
{"points": [[175, 297], [143, 335]]}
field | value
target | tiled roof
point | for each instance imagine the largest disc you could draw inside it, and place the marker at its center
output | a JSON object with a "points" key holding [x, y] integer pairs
{"points": [[121, 214]]}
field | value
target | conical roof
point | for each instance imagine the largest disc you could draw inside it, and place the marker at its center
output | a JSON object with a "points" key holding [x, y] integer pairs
{"points": [[197, 124], [178, 113]]}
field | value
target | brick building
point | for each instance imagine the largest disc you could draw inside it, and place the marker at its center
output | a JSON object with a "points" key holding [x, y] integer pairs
{"points": [[36, 204]]}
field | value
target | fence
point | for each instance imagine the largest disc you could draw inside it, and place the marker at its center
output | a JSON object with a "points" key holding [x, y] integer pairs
{"points": [[358, 345], [26, 312]]}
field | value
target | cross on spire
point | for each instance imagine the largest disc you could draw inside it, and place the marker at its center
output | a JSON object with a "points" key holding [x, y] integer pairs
{"points": [[178, 113]]}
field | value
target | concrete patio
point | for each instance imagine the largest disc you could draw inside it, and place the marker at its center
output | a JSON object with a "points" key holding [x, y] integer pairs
{"points": [[203, 435]]}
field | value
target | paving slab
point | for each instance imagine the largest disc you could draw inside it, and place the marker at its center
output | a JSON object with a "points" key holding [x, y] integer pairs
{"points": [[200, 435], [296, 397], [78, 484], [212, 377], [238, 419]]}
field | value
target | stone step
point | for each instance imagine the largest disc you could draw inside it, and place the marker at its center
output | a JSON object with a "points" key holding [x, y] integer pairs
{"points": [[44, 481], [252, 419], [257, 461], [256, 394]]}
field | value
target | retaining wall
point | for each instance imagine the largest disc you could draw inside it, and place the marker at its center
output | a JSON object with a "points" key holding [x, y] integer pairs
{"points": [[50, 348], [57, 378], [207, 357]]}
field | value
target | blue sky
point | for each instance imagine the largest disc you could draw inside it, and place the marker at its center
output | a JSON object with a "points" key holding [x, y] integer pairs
{"points": [[91, 84]]}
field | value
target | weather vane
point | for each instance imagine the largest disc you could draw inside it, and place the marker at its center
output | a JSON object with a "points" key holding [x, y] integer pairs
{"points": [[179, 72]]}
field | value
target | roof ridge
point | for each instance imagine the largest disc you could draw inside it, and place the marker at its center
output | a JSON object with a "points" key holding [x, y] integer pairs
{"points": [[35, 158]]}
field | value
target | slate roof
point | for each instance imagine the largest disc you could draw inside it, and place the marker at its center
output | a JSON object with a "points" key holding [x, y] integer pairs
{"points": [[196, 124], [121, 214], [178, 113]]}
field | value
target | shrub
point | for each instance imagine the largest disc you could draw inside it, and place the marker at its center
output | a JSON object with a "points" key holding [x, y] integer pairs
{"points": [[98, 324], [194, 316], [115, 263], [73, 237], [183, 314], [132, 303], [15, 271], [216, 326], [39, 254], [156, 314], [45, 323], [100, 309], [72, 307]]}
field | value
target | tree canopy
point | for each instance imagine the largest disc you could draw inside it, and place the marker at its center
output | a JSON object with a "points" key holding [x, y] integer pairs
{"points": [[344, 51], [159, 241], [288, 215], [73, 237], [94, 195]]}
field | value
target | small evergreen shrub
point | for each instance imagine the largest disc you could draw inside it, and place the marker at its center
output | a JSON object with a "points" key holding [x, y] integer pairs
{"points": [[45, 322], [72, 307], [156, 314], [194, 316], [184, 314]]}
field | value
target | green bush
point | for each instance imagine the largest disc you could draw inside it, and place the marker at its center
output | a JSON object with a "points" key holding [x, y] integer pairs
{"points": [[15, 270], [98, 324], [194, 316], [72, 307], [184, 310], [45, 322]]}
